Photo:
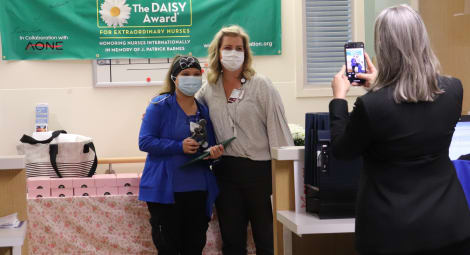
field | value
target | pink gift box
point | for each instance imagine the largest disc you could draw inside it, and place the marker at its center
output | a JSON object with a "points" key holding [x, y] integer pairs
{"points": [[37, 193], [85, 182], [105, 191], [105, 180], [84, 192], [39, 183], [127, 180], [130, 191], [62, 183], [68, 192]]}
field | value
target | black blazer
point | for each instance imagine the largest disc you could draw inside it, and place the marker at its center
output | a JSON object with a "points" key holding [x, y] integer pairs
{"points": [[409, 197]]}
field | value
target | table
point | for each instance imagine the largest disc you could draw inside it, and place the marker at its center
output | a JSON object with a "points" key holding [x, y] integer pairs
{"points": [[300, 232], [13, 237], [99, 225]]}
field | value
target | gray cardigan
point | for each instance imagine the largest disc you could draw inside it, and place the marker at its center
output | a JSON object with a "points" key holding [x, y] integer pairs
{"points": [[257, 120]]}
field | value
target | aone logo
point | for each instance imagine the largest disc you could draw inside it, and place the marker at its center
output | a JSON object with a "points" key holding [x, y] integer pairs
{"points": [[115, 12], [39, 46]]}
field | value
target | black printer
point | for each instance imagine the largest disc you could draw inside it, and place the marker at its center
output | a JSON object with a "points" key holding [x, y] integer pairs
{"points": [[330, 184]]}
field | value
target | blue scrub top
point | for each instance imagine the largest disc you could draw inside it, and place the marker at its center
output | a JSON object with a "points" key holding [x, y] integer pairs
{"points": [[188, 178]]}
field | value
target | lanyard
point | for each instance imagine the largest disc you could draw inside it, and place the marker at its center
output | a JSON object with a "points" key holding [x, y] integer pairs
{"points": [[233, 118], [235, 97]]}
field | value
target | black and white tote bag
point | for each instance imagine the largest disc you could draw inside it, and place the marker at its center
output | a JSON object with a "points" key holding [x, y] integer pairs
{"points": [[60, 155]]}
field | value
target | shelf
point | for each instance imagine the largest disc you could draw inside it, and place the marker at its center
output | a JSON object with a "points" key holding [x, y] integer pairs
{"points": [[12, 162], [10, 237], [304, 223]]}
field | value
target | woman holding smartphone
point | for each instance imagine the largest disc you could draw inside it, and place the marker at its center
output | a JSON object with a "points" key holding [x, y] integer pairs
{"points": [[175, 128], [410, 200]]}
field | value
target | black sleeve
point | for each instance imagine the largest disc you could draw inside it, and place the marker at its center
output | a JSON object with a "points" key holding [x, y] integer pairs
{"points": [[459, 94], [350, 133]]}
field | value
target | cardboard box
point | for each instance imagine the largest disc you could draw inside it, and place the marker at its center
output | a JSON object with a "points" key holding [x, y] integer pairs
{"points": [[106, 191], [105, 180], [62, 183], [85, 182], [127, 180], [84, 192], [38, 183], [67, 192], [38, 193], [128, 191]]}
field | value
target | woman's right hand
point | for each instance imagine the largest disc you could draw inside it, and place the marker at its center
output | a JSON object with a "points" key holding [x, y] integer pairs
{"points": [[190, 146], [340, 84], [369, 76]]}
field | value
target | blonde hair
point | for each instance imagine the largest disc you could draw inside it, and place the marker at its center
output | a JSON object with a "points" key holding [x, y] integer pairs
{"points": [[215, 68], [404, 56]]}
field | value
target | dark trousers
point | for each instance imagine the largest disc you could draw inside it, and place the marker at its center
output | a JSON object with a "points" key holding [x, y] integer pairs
{"points": [[245, 196], [458, 248], [180, 228]]}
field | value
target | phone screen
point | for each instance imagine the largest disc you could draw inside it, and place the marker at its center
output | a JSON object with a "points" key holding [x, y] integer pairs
{"points": [[355, 62]]}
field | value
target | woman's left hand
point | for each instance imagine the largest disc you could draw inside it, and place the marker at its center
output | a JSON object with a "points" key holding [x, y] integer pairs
{"points": [[340, 84], [216, 151]]}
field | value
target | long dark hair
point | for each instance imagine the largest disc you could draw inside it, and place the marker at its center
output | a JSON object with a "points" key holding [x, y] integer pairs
{"points": [[168, 84]]}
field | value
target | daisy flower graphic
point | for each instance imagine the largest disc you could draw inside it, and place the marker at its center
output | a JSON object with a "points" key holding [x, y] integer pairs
{"points": [[115, 12]]}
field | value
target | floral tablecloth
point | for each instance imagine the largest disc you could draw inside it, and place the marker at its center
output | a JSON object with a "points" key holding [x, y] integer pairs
{"points": [[99, 225]]}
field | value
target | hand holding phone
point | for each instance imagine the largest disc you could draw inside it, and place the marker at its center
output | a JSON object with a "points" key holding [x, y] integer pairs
{"points": [[340, 84], [355, 61], [369, 76]]}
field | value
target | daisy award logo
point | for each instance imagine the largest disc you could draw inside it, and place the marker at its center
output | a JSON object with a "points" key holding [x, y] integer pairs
{"points": [[115, 12]]}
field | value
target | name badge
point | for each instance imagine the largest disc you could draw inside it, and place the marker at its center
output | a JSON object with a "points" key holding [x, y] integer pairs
{"points": [[237, 94]]}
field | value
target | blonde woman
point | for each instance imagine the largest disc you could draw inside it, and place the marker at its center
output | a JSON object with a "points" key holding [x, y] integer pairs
{"points": [[410, 200], [244, 104]]}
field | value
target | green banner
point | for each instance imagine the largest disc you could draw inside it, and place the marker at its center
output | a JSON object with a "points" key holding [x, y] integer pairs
{"points": [[89, 29]]}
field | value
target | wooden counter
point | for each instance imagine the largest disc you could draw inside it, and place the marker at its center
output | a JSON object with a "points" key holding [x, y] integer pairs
{"points": [[13, 191]]}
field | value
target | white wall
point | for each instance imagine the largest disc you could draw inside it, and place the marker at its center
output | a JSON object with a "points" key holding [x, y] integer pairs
{"points": [[112, 116]]}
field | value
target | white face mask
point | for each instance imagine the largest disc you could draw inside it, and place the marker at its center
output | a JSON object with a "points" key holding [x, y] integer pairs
{"points": [[232, 60], [189, 85]]}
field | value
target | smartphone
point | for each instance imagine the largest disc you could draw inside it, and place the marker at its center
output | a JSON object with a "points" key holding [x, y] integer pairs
{"points": [[355, 61]]}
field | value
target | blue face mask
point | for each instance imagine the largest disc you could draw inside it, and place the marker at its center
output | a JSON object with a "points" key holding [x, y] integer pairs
{"points": [[189, 85]]}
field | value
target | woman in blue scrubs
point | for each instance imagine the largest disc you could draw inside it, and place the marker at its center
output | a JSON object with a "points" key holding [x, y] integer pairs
{"points": [[175, 129]]}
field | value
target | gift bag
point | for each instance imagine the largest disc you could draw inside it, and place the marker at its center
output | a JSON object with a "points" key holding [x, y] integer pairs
{"points": [[60, 155]]}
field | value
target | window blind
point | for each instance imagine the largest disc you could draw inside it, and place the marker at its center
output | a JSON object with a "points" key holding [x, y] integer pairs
{"points": [[328, 28]]}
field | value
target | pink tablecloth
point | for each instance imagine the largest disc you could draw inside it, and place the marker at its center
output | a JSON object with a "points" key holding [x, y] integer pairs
{"points": [[99, 225]]}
